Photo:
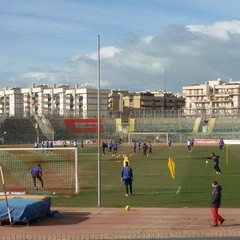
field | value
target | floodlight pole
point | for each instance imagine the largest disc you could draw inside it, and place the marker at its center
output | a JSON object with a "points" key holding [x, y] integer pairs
{"points": [[37, 129], [99, 142]]}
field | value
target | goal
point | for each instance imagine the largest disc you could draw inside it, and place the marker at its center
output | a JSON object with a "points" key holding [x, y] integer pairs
{"points": [[148, 136], [59, 165], [231, 149]]}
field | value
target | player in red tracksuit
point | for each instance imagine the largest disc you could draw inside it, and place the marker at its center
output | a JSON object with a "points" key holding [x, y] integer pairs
{"points": [[215, 204]]}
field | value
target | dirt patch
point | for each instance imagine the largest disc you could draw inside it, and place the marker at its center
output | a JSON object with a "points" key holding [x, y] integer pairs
{"points": [[137, 223]]}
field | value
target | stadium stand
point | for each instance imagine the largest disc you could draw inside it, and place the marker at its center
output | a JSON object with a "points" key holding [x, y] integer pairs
{"points": [[88, 131], [211, 124], [20, 130], [227, 125], [109, 126], [131, 125], [197, 124], [164, 125], [60, 129], [23, 131]]}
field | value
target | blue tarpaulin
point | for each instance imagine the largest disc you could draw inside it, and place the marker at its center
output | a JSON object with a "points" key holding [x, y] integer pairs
{"points": [[24, 210]]}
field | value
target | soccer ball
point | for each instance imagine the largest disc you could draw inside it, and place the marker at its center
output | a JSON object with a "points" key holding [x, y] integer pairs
{"points": [[207, 162], [127, 208]]}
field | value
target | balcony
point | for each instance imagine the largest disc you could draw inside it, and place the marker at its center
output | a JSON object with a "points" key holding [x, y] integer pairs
{"points": [[202, 101], [195, 94], [221, 100]]}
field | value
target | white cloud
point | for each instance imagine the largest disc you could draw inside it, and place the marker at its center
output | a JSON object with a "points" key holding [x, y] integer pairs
{"points": [[105, 52], [219, 30], [180, 56], [109, 52]]}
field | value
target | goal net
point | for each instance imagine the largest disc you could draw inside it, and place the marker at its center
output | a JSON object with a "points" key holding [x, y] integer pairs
{"points": [[231, 149], [155, 137], [59, 166]]}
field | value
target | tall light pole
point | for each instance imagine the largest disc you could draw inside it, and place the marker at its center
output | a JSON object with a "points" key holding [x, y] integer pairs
{"points": [[99, 143], [2, 137], [36, 127]]}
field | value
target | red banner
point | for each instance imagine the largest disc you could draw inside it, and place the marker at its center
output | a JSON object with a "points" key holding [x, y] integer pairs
{"points": [[206, 141], [79, 125]]}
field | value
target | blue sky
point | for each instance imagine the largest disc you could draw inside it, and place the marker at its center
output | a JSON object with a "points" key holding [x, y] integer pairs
{"points": [[145, 44]]}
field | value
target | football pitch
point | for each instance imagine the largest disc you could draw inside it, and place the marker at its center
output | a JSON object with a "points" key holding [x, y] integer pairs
{"points": [[153, 185]]}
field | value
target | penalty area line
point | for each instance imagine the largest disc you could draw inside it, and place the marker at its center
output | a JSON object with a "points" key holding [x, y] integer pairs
{"points": [[178, 190]]}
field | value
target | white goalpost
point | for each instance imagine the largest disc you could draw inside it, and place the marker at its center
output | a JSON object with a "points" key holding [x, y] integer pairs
{"points": [[228, 143], [5, 193], [155, 137], [59, 166]]}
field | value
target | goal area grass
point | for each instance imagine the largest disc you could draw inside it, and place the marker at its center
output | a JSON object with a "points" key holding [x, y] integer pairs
{"points": [[153, 185]]}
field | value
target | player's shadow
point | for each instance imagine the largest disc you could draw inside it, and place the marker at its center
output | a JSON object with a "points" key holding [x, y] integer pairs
{"points": [[232, 225], [64, 218], [68, 218]]}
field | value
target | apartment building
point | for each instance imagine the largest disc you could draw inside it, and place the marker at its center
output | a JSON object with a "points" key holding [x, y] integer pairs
{"points": [[60, 100], [168, 101], [63, 100], [139, 100], [33, 100], [115, 101], [156, 100], [212, 97], [87, 102], [11, 102]]}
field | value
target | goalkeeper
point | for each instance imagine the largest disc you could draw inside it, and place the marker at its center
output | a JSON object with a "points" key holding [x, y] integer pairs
{"points": [[37, 174], [215, 159]]}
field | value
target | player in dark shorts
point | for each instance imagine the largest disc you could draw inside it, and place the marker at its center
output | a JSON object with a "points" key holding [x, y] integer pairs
{"points": [[37, 174], [215, 159]]}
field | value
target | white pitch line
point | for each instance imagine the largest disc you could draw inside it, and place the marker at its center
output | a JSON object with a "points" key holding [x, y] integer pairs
{"points": [[178, 190]]}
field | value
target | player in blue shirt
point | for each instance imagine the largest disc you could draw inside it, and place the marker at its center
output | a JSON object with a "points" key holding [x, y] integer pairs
{"points": [[139, 143], [150, 148], [127, 177], [37, 174], [115, 148], [221, 144], [134, 146]]}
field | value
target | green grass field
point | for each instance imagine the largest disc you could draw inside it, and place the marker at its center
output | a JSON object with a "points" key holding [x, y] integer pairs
{"points": [[153, 185]]}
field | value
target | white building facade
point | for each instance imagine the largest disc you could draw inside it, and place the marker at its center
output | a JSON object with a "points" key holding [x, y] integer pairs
{"points": [[11, 102], [60, 100], [212, 97]]}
